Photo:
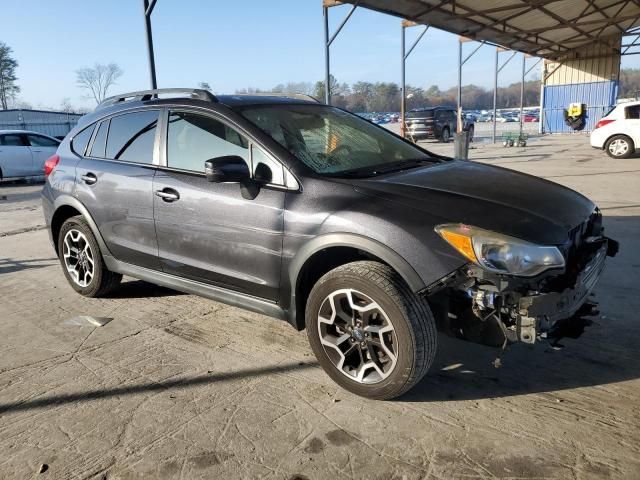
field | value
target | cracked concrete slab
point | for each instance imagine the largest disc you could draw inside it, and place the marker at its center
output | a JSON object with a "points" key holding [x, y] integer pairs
{"points": [[177, 386]]}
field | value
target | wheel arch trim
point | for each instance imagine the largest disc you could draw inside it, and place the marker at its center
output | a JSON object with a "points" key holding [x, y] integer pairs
{"points": [[373, 247], [352, 240], [69, 201]]}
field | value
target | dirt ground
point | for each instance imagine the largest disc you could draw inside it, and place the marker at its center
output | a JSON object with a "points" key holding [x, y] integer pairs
{"points": [[176, 386]]}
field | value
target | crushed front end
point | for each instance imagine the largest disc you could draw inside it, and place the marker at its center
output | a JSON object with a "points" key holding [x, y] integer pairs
{"points": [[493, 308]]}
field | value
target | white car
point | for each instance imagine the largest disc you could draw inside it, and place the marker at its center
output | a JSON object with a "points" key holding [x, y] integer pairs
{"points": [[23, 153], [618, 132]]}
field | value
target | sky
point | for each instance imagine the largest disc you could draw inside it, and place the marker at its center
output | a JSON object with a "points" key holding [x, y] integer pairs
{"points": [[229, 44]]}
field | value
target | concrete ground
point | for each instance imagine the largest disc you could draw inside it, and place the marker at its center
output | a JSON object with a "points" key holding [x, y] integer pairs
{"points": [[176, 386]]}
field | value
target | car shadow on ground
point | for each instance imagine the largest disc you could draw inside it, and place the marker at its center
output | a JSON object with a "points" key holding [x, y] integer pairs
{"points": [[142, 289], [147, 387], [9, 265], [465, 371], [606, 353]]}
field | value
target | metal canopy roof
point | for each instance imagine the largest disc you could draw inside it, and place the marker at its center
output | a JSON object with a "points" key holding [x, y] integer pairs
{"points": [[554, 29]]}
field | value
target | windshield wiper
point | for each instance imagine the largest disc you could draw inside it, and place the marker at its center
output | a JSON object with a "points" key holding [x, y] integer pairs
{"points": [[383, 168], [401, 165]]}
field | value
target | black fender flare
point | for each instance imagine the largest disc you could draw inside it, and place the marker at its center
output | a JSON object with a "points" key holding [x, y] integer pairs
{"points": [[360, 242], [69, 201]]}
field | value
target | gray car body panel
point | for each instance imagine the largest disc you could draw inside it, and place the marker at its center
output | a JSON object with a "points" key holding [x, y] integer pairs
{"points": [[246, 257]]}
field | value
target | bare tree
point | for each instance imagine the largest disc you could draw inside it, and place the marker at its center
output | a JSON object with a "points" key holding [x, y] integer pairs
{"points": [[204, 86], [98, 79]]}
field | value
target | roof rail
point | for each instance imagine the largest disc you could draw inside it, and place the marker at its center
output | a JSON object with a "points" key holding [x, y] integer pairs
{"points": [[142, 95], [299, 96]]}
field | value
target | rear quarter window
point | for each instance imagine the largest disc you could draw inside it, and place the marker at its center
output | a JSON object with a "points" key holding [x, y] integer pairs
{"points": [[81, 140]]}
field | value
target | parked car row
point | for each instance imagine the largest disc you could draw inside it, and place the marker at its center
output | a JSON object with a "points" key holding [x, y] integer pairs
{"points": [[23, 153]]}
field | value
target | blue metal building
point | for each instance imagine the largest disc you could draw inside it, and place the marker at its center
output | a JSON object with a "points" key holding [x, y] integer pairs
{"points": [[54, 124]]}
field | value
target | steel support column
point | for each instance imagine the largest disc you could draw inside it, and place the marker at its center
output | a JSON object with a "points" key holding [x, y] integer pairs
{"points": [[461, 62], [326, 4], [524, 66], [459, 95], [403, 59], [403, 83], [327, 63], [147, 10], [498, 69], [495, 96]]}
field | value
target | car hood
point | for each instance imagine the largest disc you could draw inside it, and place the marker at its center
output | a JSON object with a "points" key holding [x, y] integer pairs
{"points": [[485, 196]]}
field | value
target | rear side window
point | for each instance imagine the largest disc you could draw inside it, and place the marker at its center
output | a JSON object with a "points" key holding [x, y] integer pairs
{"points": [[81, 140], [12, 140], [132, 136], [100, 142], [632, 112], [40, 141], [420, 114]]}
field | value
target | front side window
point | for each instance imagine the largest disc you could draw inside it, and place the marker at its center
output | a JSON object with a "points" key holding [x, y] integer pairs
{"points": [[11, 140], [192, 139], [40, 141], [132, 137], [333, 142], [265, 168]]}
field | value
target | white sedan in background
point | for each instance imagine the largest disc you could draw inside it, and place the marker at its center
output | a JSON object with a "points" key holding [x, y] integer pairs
{"points": [[23, 153], [618, 132]]}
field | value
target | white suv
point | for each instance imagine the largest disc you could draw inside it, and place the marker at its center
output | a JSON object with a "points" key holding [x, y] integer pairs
{"points": [[618, 133]]}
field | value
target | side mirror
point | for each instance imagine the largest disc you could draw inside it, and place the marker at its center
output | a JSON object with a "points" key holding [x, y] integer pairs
{"points": [[228, 168]]}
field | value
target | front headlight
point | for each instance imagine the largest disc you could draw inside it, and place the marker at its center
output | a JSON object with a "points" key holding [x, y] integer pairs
{"points": [[500, 253]]}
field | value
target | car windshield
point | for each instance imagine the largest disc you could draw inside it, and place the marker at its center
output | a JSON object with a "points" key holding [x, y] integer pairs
{"points": [[333, 142]]}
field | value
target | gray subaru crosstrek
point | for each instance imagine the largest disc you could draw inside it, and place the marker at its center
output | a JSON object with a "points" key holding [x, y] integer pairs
{"points": [[305, 212]]}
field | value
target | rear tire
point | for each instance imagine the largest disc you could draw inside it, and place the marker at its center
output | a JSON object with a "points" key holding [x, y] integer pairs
{"points": [[382, 347], [81, 260], [619, 146], [445, 135]]}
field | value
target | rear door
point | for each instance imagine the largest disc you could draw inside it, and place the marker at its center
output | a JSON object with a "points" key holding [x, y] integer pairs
{"points": [[41, 148], [15, 156], [114, 181]]}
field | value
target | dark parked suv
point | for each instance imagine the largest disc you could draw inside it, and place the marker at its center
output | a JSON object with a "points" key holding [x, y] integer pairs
{"points": [[435, 122], [307, 213]]}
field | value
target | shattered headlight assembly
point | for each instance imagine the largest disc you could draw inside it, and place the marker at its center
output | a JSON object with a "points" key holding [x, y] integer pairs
{"points": [[500, 253]]}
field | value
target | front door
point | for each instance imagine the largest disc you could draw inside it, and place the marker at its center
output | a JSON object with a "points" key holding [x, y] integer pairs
{"points": [[15, 156], [114, 181], [208, 231]]}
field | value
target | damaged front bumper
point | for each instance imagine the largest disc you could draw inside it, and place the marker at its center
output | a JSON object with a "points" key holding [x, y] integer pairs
{"points": [[539, 313], [496, 309]]}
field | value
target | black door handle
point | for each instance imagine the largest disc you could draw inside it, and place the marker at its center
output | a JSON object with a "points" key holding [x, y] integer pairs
{"points": [[89, 178], [168, 194]]}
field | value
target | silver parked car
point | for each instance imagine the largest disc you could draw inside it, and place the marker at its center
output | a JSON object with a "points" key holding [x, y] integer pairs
{"points": [[23, 153]]}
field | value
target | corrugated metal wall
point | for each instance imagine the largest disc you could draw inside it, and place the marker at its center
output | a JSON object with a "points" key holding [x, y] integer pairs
{"points": [[591, 79], [598, 96], [50, 123]]}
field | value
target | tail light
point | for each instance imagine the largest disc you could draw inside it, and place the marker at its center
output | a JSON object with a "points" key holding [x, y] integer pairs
{"points": [[603, 122], [50, 164]]}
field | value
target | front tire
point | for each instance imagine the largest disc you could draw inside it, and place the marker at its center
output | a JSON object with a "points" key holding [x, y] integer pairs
{"points": [[370, 333], [619, 146], [82, 261]]}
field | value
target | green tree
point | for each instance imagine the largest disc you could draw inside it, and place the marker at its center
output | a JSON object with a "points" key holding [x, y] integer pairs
{"points": [[8, 65]]}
